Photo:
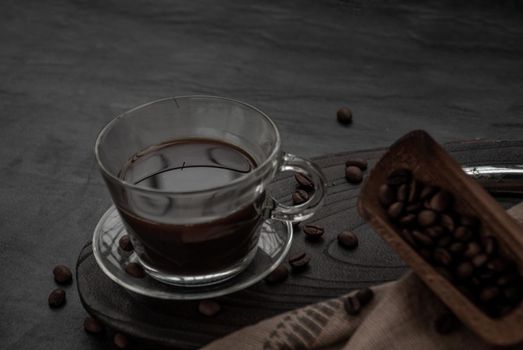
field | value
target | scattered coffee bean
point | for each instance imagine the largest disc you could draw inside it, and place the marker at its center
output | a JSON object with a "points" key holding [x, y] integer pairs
{"points": [[62, 274], [352, 305], [465, 270], [299, 261], [344, 116], [422, 238], [359, 162], [446, 323], [304, 182], [441, 201], [353, 174], [488, 293], [427, 218], [125, 243], [364, 295], [442, 256], [386, 195], [472, 250], [135, 270], [279, 275], [313, 232], [300, 196], [395, 210], [209, 307], [92, 326], [57, 298], [121, 341], [348, 239], [399, 177]]}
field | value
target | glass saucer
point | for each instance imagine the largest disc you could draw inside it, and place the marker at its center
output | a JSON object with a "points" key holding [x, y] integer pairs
{"points": [[275, 241]]}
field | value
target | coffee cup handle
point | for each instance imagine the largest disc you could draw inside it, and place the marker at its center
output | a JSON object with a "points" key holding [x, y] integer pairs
{"points": [[307, 209]]}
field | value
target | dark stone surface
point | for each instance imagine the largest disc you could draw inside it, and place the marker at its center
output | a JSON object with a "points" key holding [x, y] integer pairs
{"points": [[454, 68]]}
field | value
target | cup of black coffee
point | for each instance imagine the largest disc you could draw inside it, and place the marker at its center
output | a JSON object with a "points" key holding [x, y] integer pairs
{"points": [[189, 176]]}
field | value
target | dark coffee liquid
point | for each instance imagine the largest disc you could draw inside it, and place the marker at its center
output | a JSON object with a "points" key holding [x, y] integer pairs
{"points": [[190, 165]]}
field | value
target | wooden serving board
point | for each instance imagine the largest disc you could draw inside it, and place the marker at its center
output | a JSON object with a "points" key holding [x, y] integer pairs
{"points": [[333, 271]]}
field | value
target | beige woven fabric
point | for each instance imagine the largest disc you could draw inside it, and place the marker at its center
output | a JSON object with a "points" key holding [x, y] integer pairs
{"points": [[400, 316]]}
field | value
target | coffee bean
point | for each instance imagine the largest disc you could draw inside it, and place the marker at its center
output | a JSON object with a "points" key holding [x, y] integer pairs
{"points": [[348, 239], [457, 248], [427, 192], [352, 305], [442, 257], [505, 280], [364, 295], [135, 270], [121, 341], [62, 274], [469, 221], [434, 231], [479, 260], [399, 177], [299, 261], [413, 208], [344, 116], [407, 236], [489, 244], [441, 201], [125, 243], [446, 323], [313, 232], [465, 270], [427, 218], [444, 241], [92, 326], [422, 238], [497, 265], [279, 275], [57, 298], [472, 249], [447, 222], [414, 191], [209, 307], [299, 197], [488, 293], [304, 182], [403, 193], [395, 210], [359, 162], [407, 220], [386, 195], [353, 174], [463, 234]]}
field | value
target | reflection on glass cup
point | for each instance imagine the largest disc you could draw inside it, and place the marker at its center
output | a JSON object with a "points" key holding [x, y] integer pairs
{"points": [[189, 177]]}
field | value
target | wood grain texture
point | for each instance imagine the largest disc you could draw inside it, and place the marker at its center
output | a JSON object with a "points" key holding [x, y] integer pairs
{"points": [[430, 164], [67, 67]]}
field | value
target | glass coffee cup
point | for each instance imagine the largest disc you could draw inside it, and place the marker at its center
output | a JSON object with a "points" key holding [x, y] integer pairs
{"points": [[190, 178]]}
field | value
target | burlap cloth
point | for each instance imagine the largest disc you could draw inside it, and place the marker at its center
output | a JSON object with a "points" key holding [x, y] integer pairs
{"points": [[400, 316]]}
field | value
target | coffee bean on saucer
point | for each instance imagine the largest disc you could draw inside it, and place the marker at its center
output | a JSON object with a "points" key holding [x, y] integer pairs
{"points": [[279, 275], [358, 162], [209, 307], [135, 270], [348, 239], [121, 341], [365, 295], [125, 243], [304, 182], [300, 196], [92, 326], [344, 116], [57, 298], [313, 232], [62, 274], [353, 174], [299, 261], [352, 305], [446, 323]]}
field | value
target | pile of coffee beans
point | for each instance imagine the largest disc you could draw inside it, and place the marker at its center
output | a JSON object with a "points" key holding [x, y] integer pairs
{"points": [[455, 244]]}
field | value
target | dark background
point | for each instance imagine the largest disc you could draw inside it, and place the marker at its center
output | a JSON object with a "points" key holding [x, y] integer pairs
{"points": [[454, 68]]}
